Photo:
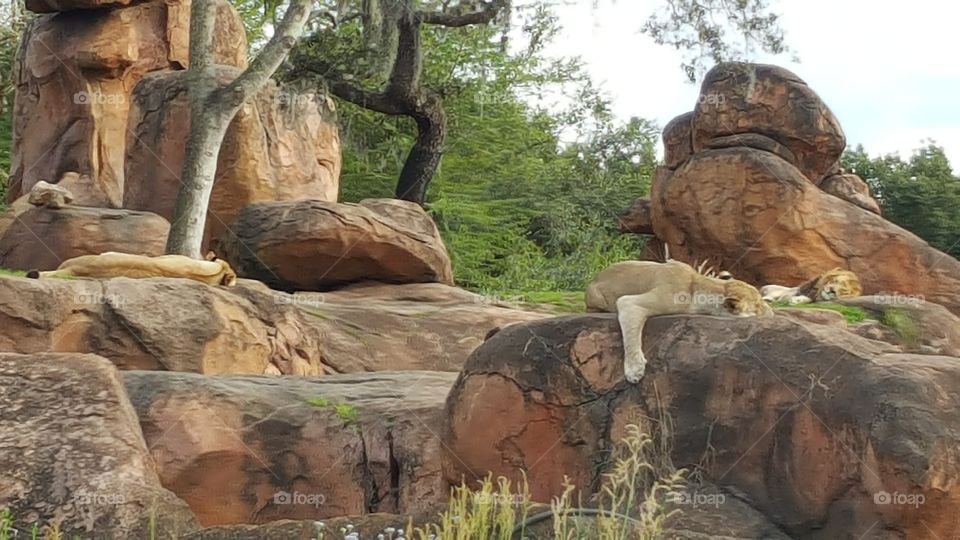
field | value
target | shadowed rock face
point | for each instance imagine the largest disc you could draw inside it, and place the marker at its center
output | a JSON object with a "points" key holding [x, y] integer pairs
{"points": [[811, 423], [342, 445], [41, 238], [168, 324], [74, 75], [72, 454], [316, 246]]}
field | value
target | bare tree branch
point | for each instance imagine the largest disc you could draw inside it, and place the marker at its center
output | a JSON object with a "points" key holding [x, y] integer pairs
{"points": [[455, 18]]}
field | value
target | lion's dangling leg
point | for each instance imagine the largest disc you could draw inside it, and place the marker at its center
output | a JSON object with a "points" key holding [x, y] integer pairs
{"points": [[632, 312]]}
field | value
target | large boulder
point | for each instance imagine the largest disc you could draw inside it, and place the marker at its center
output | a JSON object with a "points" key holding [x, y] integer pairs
{"points": [[74, 74], [259, 449], [740, 98], [41, 238], [754, 214], [72, 456], [165, 324], [827, 433], [316, 246], [281, 146], [419, 326]]}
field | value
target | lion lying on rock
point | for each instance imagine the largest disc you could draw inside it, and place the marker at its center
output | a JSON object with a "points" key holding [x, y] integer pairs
{"points": [[829, 286], [638, 290], [212, 271]]}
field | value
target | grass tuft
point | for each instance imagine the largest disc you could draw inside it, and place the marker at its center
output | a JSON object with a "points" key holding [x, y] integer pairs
{"points": [[851, 314]]}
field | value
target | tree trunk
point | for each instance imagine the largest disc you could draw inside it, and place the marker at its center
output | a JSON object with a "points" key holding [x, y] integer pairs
{"points": [[424, 158], [212, 108], [208, 127]]}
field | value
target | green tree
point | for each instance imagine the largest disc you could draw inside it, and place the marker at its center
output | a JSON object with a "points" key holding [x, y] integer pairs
{"points": [[921, 194]]}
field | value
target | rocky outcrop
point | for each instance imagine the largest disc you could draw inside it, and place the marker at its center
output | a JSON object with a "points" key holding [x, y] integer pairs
{"points": [[316, 246], [41, 238], [828, 434], [755, 99], [757, 216], [751, 183], [72, 456], [420, 326], [74, 74], [164, 324], [281, 146], [259, 449]]}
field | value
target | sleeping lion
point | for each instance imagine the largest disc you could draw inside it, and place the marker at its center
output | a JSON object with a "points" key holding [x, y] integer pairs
{"points": [[638, 290], [829, 286], [212, 271]]}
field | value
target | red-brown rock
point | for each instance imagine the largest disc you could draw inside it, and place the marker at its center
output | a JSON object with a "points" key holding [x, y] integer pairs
{"points": [[279, 147], [756, 215], [823, 431], [41, 238], [259, 449], [677, 140], [316, 246], [162, 324], [739, 98], [72, 456], [74, 75]]}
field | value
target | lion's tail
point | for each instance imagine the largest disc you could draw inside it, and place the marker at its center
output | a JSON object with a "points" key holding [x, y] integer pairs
{"points": [[33, 274]]}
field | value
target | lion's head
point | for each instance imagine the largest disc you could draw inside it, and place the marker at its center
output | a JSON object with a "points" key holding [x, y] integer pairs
{"points": [[228, 277], [837, 283], [743, 300]]}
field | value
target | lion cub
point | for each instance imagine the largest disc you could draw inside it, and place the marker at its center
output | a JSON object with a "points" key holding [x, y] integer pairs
{"points": [[212, 271], [638, 290]]}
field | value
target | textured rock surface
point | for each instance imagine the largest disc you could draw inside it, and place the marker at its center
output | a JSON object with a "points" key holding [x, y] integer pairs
{"points": [[316, 246], [738, 98], [165, 324], [828, 435], [72, 454], [755, 215], [851, 188], [280, 147], [41, 238], [637, 219], [74, 75], [677, 140], [420, 326], [258, 449]]}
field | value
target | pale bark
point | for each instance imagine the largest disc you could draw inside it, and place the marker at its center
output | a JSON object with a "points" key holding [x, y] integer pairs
{"points": [[212, 109]]}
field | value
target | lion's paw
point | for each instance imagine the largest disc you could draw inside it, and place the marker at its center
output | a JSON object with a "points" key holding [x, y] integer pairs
{"points": [[634, 371]]}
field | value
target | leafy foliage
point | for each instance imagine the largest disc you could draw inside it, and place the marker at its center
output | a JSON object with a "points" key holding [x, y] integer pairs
{"points": [[519, 209], [921, 194]]}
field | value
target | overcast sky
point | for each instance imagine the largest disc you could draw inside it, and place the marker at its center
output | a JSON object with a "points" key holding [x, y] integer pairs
{"points": [[890, 74]]}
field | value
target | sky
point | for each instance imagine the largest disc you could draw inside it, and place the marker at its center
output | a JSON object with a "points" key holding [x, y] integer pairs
{"points": [[888, 70]]}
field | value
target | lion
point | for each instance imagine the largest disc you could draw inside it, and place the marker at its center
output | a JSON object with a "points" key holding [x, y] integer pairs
{"points": [[212, 271], [638, 290], [829, 286]]}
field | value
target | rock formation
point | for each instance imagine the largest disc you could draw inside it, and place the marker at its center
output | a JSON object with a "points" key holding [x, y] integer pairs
{"points": [[751, 183], [75, 72], [166, 324], [259, 449], [281, 146], [72, 455], [41, 238], [826, 433], [316, 246]]}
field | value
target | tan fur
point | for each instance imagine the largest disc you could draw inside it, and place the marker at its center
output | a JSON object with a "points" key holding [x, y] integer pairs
{"points": [[638, 290], [110, 265], [829, 286]]}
